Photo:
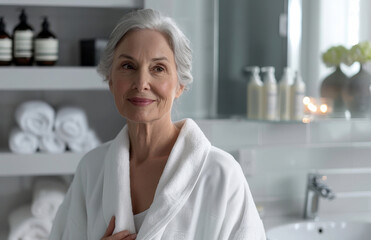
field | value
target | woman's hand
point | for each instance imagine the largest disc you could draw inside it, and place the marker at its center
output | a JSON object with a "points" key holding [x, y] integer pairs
{"points": [[123, 235]]}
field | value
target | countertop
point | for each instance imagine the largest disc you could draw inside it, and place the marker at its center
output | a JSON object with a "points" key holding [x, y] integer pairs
{"points": [[271, 222]]}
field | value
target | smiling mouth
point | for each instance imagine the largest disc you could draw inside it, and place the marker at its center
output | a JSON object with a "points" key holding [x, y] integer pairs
{"points": [[140, 101]]}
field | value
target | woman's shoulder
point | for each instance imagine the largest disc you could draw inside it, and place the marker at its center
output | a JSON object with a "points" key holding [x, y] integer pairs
{"points": [[224, 162]]}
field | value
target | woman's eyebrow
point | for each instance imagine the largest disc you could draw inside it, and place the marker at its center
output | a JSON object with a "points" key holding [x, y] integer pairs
{"points": [[160, 59], [123, 55], [126, 56]]}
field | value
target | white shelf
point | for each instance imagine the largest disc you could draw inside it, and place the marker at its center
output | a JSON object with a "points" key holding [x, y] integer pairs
{"points": [[76, 3], [51, 78], [38, 164]]}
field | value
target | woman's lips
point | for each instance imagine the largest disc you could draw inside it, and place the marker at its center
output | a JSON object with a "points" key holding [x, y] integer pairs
{"points": [[140, 101]]}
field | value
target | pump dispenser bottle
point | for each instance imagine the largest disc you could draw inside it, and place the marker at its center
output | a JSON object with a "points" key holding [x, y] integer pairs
{"points": [[269, 94], [297, 96], [23, 43], [284, 95], [46, 46], [5, 45], [254, 94]]}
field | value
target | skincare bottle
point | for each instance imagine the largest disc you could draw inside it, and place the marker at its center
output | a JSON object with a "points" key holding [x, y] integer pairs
{"points": [[284, 97], [23, 43], [269, 94], [5, 45], [297, 96], [254, 94], [46, 46]]}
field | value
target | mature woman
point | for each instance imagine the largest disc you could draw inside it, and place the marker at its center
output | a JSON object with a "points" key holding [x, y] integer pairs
{"points": [[157, 179]]}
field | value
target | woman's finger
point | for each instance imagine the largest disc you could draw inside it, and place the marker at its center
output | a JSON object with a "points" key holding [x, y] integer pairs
{"points": [[110, 228], [124, 235], [128, 237]]}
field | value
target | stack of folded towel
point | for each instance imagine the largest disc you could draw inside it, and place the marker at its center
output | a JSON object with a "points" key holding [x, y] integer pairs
{"points": [[41, 128], [34, 221]]}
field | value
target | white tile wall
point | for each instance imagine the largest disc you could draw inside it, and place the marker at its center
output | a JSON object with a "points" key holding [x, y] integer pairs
{"points": [[330, 131], [276, 158], [283, 133], [361, 131]]}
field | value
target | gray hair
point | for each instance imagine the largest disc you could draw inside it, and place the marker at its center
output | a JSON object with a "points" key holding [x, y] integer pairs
{"points": [[151, 19]]}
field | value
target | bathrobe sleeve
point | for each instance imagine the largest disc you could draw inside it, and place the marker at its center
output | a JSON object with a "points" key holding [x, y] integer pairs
{"points": [[241, 220], [71, 219]]}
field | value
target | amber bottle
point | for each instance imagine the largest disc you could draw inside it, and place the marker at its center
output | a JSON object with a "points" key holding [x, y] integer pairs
{"points": [[46, 46], [5, 45], [23, 42]]}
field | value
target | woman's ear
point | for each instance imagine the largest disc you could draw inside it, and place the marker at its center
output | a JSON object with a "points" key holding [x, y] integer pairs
{"points": [[179, 90], [109, 83]]}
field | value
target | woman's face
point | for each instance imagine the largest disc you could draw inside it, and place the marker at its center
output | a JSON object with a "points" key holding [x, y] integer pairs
{"points": [[143, 78]]}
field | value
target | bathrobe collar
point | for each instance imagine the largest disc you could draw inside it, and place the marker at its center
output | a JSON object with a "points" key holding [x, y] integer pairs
{"points": [[177, 181]]}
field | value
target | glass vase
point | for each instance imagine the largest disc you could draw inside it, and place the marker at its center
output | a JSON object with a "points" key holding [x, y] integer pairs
{"points": [[331, 89], [356, 94]]}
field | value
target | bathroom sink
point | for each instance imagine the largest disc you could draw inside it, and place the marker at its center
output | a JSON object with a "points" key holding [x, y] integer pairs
{"points": [[339, 230]]}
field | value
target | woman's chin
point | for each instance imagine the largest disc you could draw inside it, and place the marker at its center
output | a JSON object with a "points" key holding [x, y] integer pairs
{"points": [[140, 119], [145, 118]]}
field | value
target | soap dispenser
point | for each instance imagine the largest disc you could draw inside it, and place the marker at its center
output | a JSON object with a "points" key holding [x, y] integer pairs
{"points": [[284, 95], [269, 94], [23, 42], [254, 94], [297, 96], [46, 46], [5, 45]]}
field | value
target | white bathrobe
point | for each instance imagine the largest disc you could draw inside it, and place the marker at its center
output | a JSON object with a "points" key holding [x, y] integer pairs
{"points": [[202, 194]]}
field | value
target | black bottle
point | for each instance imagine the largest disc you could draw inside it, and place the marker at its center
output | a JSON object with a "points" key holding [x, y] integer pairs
{"points": [[46, 46], [23, 42], [5, 45]]}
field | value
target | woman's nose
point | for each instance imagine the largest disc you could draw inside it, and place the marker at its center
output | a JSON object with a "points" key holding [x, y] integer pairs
{"points": [[141, 82]]}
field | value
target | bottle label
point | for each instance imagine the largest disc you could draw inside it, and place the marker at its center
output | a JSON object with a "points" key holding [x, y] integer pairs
{"points": [[5, 43], [271, 105], [46, 49], [253, 104], [23, 43], [5, 49], [283, 106], [23, 34]]}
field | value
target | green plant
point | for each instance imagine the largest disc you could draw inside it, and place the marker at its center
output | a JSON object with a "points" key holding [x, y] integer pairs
{"points": [[336, 55], [360, 52]]}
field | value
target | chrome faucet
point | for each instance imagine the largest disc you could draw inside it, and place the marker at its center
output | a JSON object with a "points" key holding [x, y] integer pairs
{"points": [[316, 188]]}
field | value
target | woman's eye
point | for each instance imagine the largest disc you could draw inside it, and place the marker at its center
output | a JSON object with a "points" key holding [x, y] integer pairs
{"points": [[158, 69], [127, 66]]}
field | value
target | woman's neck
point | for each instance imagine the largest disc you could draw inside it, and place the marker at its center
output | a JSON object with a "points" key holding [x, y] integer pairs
{"points": [[151, 141]]}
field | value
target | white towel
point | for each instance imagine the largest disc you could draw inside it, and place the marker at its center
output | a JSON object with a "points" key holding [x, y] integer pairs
{"points": [[22, 142], [36, 117], [89, 142], [51, 143], [71, 124], [23, 226], [48, 195]]}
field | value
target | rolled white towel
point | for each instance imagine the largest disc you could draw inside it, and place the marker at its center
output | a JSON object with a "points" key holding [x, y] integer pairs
{"points": [[71, 124], [23, 226], [89, 142], [48, 195], [51, 143], [23, 142], [36, 117]]}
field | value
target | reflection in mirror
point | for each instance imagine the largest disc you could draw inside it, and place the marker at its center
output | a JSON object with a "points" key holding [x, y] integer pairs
{"points": [[324, 24], [249, 35]]}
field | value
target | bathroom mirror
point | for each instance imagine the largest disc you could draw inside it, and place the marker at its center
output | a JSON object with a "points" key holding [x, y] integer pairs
{"points": [[253, 32], [324, 23]]}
